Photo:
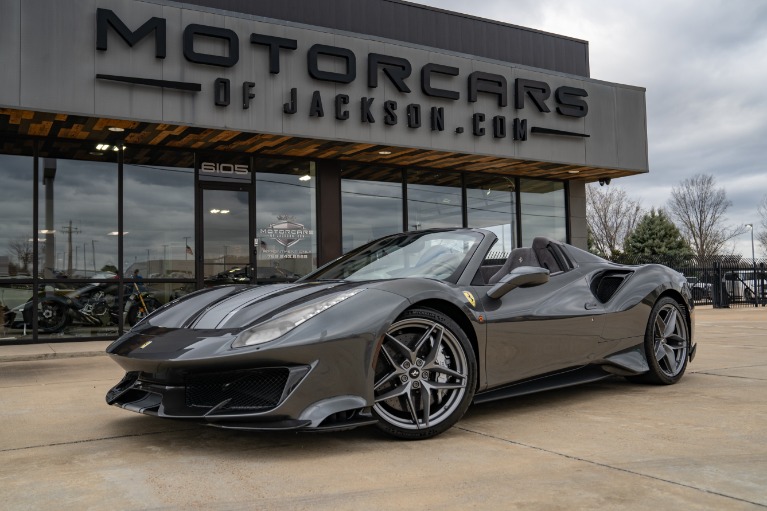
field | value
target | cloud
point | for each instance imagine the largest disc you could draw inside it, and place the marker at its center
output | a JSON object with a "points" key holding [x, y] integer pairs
{"points": [[704, 65]]}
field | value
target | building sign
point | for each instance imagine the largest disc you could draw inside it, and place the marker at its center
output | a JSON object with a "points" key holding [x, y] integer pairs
{"points": [[339, 65], [217, 171]]}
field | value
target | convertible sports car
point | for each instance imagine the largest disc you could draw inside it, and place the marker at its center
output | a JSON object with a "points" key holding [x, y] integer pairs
{"points": [[405, 333]]}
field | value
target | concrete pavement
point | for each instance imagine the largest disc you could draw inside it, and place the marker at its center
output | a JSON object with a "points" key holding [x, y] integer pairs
{"points": [[700, 444]]}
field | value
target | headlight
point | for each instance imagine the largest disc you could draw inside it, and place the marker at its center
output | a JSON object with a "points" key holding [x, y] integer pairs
{"points": [[280, 325]]}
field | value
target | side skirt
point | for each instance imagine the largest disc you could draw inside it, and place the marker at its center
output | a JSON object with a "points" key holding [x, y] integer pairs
{"points": [[585, 374]]}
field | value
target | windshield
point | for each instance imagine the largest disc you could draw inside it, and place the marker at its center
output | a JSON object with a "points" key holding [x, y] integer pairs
{"points": [[429, 254]]}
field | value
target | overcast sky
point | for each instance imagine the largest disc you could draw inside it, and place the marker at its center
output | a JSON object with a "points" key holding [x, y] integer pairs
{"points": [[704, 65]]}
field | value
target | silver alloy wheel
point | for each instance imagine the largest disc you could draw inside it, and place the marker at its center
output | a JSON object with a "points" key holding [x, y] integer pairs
{"points": [[421, 374], [670, 340]]}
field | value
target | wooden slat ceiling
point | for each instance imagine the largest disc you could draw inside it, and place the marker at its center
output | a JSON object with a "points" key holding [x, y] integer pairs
{"points": [[145, 138]]}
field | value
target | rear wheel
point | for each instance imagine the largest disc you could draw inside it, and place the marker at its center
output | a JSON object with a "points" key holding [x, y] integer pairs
{"points": [[667, 342], [424, 377]]}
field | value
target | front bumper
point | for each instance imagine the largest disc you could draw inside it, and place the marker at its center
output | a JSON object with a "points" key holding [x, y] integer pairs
{"points": [[325, 385]]}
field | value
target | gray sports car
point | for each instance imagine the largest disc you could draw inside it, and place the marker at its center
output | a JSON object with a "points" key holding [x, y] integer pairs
{"points": [[405, 333]]}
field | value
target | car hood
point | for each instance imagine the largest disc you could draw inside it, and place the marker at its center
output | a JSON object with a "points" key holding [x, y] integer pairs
{"points": [[237, 307]]}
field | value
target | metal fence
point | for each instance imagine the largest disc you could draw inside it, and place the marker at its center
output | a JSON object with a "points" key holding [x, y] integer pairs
{"points": [[722, 281]]}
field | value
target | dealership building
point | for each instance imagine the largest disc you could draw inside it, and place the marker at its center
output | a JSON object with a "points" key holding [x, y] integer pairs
{"points": [[177, 145]]}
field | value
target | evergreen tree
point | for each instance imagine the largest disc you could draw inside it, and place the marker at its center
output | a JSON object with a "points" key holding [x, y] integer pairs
{"points": [[656, 238]]}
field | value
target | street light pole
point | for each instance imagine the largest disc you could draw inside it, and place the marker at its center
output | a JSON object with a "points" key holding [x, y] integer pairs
{"points": [[757, 296]]}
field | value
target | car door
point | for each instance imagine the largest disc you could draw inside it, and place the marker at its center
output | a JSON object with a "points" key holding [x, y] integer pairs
{"points": [[541, 329]]}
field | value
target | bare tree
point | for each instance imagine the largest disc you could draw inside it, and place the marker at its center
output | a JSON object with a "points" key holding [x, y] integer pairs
{"points": [[698, 207], [611, 216], [21, 248], [761, 235]]}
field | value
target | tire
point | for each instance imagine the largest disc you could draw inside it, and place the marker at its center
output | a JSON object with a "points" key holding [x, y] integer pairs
{"points": [[425, 375], [52, 316], [666, 344], [136, 313]]}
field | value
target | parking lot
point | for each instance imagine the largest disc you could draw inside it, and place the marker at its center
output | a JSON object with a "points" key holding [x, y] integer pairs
{"points": [[701, 444]]}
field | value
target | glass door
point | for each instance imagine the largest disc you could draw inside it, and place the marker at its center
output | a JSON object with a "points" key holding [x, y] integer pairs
{"points": [[226, 258]]}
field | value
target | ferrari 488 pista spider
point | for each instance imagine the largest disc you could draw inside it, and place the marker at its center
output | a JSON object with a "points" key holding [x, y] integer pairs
{"points": [[405, 333]]}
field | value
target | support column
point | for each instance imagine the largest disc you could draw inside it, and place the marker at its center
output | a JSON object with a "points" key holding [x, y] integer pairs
{"points": [[328, 211], [577, 214]]}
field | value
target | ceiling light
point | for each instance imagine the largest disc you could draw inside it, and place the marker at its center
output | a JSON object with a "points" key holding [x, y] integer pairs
{"points": [[307, 177], [573, 171], [115, 233], [102, 147], [116, 128], [215, 211], [47, 231], [224, 211], [384, 153]]}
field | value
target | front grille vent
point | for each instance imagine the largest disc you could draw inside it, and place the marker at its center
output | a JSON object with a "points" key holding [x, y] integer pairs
{"points": [[256, 390]]}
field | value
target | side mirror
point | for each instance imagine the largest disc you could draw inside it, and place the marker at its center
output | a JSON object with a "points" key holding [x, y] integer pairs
{"points": [[523, 276]]}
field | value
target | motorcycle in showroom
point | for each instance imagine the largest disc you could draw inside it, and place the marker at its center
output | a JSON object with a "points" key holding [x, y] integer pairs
{"points": [[94, 305]]}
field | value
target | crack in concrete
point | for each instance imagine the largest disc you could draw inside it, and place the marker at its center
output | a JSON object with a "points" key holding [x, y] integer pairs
{"points": [[729, 375], [609, 467], [89, 440]]}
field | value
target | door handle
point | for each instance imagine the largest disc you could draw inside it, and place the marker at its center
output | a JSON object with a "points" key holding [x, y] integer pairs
{"points": [[590, 305]]}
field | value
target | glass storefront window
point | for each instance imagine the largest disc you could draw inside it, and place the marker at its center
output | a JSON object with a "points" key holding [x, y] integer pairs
{"points": [[16, 236], [286, 243], [433, 200], [158, 215], [78, 216], [543, 210], [371, 205], [491, 205], [78, 294]]}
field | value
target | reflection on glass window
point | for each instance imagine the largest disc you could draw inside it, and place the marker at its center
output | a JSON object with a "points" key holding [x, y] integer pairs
{"points": [[78, 217], [433, 200], [13, 299], [490, 201], [371, 205], [286, 245], [225, 219], [543, 210], [16, 237], [158, 218]]}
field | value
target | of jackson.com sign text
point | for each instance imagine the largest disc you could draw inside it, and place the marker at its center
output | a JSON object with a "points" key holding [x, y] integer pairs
{"points": [[566, 101]]}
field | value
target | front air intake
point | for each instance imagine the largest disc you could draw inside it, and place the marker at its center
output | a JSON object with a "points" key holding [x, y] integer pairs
{"points": [[256, 390]]}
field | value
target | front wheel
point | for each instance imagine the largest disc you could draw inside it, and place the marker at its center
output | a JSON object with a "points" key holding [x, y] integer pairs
{"points": [[425, 375], [667, 342]]}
